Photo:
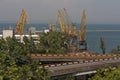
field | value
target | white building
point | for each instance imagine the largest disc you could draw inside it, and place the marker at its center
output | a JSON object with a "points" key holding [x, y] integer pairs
{"points": [[7, 33]]}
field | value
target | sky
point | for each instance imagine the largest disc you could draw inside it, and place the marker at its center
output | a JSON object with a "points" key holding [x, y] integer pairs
{"points": [[98, 11]]}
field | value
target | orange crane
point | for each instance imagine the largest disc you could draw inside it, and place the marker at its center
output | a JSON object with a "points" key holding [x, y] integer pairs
{"points": [[82, 37], [22, 20]]}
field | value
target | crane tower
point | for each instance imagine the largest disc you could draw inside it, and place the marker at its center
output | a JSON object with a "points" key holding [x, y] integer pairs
{"points": [[82, 36], [22, 20]]}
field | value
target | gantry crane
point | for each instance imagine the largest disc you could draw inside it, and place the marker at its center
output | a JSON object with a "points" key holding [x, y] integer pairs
{"points": [[22, 20], [82, 37]]}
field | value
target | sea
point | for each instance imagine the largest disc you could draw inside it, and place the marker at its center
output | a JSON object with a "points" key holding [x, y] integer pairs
{"points": [[109, 33]]}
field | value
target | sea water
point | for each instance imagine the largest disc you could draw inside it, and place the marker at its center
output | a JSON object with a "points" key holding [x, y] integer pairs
{"points": [[109, 33]]}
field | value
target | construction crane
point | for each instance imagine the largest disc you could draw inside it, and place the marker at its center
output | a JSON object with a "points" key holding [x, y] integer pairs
{"points": [[82, 37], [61, 20], [65, 22], [71, 27], [74, 32], [68, 22], [22, 20]]}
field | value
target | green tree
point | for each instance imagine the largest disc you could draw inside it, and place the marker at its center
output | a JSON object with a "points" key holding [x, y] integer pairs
{"points": [[53, 42], [115, 50], [29, 45], [15, 64], [110, 74], [3, 45], [10, 70], [102, 45]]}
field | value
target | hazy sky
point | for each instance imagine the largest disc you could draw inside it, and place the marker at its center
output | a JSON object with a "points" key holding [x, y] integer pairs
{"points": [[98, 11]]}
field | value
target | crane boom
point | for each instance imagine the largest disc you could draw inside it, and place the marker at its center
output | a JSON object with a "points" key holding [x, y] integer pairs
{"points": [[67, 21], [82, 37], [61, 20], [22, 20], [67, 17], [71, 29], [83, 27]]}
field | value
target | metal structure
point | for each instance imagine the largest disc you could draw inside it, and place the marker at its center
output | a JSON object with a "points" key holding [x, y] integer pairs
{"points": [[82, 37], [68, 29], [65, 23], [61, 20], [22, 20], [68, 22]]}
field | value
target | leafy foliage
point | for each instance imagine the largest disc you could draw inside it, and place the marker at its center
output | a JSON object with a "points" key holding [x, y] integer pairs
{"points": [[29, 45], [110, 74], [16, 65], [53, 42], [116, 50], [102, 45]]}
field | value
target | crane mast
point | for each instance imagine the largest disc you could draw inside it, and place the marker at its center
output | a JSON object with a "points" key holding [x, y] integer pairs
{"points": [[82, 37], [83, 27], [71, 28], [67, 22], [22, 20], [61, 20], [56, 23]]}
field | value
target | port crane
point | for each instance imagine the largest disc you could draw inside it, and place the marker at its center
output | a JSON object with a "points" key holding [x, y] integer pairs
{"points": [[67, 28], [62, 21], [22, 20], [82, 36], [76, 40], [68, 22]]}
